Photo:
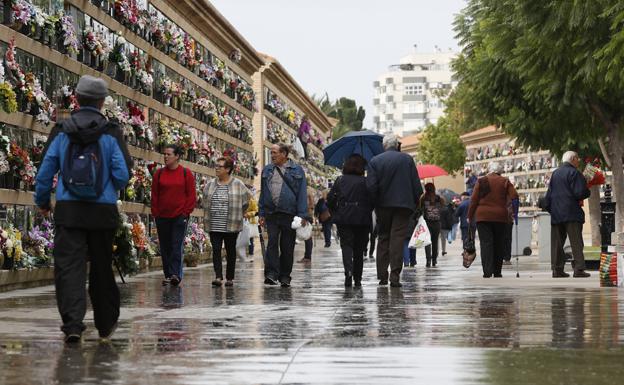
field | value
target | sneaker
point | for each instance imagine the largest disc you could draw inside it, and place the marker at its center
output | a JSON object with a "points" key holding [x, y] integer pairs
{"points": [[383, 282], [270, 281], [304, 260], [217, 282], [73, 338], [175, 280], [285, 284], [498, 276], [444, 253], [560, 274], [229, 283], [166, 281], [428, 264], [396, 284], [106, 335], [581, 274]]}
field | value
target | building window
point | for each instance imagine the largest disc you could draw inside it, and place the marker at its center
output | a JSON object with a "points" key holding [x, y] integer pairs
{"points": [[414, 89]]}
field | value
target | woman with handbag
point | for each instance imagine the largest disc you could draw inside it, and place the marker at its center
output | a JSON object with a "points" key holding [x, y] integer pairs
{"points": [[351, 209], [225, 200], [489, 209], [321, 211], [431, 205]]}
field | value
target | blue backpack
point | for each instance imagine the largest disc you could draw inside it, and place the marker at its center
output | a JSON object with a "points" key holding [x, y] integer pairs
{"points": [[82, 170]]}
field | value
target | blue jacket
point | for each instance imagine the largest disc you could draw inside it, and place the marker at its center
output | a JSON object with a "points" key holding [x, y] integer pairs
{"points": [[462, 213], [84, 126], [393, 180], [289, 203], [566, 189]]}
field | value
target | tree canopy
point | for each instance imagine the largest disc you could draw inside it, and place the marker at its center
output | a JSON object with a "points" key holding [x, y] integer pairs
{"points": [[549, 72], [441, 145], [350, 116]]}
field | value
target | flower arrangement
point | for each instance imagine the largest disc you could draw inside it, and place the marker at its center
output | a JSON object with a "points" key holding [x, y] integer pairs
{"points": [[275, 133], [41, 241], [123, 246], [11, 244], [95, 43], [139, 235], [197, 238], [22, 12], [68, 34], [118, 54], [69, 100], [8, 98], [146, 79], [141, 130], [14, 68], [40, 105], [235, 55], [140, 184], [20, 163]]}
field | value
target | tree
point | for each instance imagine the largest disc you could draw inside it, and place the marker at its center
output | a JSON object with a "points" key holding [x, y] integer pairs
{"points": [[549, 72], [441, 145], [350, 116]]}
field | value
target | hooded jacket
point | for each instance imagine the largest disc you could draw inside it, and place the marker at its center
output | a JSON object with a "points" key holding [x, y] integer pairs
{"points": [[84, 126]]}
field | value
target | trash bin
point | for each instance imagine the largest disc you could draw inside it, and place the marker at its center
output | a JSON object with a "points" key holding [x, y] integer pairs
{"points": [[543, 237], [521, 236]]}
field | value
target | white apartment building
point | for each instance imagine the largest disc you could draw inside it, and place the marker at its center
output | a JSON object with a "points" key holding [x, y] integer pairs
{"points": [[409, 96]]}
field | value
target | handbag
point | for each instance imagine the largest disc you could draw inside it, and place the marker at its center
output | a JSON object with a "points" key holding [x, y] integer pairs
{"points": [[324, 216], [470, 253]]}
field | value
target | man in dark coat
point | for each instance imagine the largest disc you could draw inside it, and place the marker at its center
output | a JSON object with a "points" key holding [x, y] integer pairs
{"points": [[395, 189], [566, 190]]}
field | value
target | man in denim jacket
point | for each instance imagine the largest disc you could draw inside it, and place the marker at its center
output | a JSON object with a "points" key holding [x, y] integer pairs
{"points": [[282, 197], [85, 228]]}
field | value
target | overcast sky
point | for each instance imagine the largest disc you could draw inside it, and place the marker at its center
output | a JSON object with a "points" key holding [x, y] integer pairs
{"points": [[341, 46]]}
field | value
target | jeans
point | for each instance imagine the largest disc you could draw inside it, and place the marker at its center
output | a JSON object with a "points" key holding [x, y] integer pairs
{"points": [[72, 248], [409, 255], [171, 232], [327, 227], [392, 222], [216, 240], [492, 239], [281, 247], [431, 251], [353, 240]]}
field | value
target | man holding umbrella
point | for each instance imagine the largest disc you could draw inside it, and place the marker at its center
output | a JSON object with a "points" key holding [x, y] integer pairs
{"points": [[395, 188]]}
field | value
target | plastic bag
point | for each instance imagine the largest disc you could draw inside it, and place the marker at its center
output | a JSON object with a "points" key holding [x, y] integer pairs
{"points": [[421, 236], [243, 236], [253, 229], [303, 232]]}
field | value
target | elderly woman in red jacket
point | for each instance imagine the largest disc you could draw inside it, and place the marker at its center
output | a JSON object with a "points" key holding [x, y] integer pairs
{"points": [[173, 201]]}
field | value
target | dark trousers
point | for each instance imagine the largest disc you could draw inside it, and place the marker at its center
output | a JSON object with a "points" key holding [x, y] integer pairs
{"points": [[558, 233], [308, 249], [327, 226], [353, 240], [251, 246], [508, 238], [281, 247], [431, 251], [171, 232], [492, 240], [373, 238], [217, 240], [72, 247], [392, 229]]}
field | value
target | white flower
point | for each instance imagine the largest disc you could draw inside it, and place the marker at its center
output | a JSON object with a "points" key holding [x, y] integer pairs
{"points": [[8, 244]]}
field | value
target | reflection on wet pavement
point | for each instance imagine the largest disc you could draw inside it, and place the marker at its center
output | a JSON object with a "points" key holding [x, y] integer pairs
{"points": [[445, 325]]}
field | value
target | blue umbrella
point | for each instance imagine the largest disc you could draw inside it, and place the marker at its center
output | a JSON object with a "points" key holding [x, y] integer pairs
{"points": [[366, 143]]}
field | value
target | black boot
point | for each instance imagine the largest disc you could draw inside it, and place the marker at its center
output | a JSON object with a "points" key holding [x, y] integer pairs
{"points": [[348, 281], [428, 263], [434, 262]]}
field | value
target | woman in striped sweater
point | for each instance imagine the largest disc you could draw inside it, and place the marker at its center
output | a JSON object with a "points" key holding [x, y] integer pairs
{"points": [[225, 201]]}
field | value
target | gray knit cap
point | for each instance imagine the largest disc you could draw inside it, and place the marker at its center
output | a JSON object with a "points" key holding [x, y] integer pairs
{"points": [[92, 87]]}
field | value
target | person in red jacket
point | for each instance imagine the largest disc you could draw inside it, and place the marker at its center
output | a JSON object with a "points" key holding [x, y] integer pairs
{"points": [[173, 200]]}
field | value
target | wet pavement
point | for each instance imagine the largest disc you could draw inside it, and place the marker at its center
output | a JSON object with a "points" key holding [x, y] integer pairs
{"points": [[447, 325]]}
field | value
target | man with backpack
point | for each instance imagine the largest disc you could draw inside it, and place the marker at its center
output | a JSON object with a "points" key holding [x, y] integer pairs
{"points": [[92, 161]]}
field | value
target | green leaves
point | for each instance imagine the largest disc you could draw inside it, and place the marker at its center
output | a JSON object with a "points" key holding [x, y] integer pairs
{"points": [[441, 145]]}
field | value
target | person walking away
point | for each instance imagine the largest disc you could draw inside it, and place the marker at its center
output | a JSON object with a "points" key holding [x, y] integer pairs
{"points": [[173, 201], [431, 205], [321, 211], [409, 255], [395, 190], [86, 213], [283, 195], [567, 188], [462, 214], [488, 207], [351, 208], [447, 221], [225, 200]]}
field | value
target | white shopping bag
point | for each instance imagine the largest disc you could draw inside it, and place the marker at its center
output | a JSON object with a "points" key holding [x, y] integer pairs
{"points": [[243, 236], [421, 236], [303, 232]]}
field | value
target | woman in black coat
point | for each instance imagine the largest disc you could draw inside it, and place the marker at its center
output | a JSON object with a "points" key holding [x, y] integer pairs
{"points": [[351, 208]]}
